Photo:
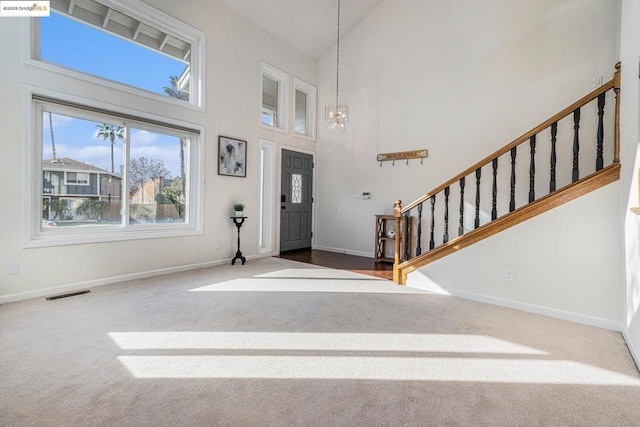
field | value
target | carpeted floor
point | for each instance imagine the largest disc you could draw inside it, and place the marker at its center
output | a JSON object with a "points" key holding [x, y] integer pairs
{"points": [[277, 342]]}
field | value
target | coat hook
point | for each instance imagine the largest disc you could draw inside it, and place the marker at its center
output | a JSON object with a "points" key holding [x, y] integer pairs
{"points": [[380, 164], [421, 160], [393, 163], [407, 162]]}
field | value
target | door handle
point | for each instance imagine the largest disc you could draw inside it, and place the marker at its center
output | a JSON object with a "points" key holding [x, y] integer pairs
{"points": [[283, 207]]}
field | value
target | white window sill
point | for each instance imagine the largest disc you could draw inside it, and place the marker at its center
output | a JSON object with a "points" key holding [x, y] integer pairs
{"points": [[103, 236], [110, 84]]}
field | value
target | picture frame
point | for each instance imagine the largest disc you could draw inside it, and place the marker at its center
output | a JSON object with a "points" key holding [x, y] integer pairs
{"points": [[232, 157]]}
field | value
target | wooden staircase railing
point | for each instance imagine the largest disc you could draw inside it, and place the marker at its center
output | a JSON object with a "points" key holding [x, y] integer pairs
{"points": [[562, 126]]}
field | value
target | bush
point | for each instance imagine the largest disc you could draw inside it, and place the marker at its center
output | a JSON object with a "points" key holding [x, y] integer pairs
{"points": [[91, 209]]}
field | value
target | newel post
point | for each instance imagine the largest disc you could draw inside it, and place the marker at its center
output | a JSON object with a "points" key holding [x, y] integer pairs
{"points": [[397, 212], [616, 134]]}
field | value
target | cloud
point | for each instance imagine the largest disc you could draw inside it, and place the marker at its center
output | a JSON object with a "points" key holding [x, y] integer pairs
{"points": [[170, 155], [56, 119], [143, 137], [96, 155]]}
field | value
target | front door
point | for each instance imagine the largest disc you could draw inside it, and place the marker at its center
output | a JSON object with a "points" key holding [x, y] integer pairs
{"points": [[296, 200]]}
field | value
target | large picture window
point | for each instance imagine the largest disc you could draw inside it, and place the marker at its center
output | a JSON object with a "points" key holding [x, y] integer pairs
{"points": [[128, 44], [101, 174]]}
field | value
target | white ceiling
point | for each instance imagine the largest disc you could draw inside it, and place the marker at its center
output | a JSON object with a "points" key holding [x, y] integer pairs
{"points": [[307, 25]]}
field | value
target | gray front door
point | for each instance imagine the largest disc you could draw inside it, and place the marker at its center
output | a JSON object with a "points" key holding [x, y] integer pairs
{"points": [[296, 200]]}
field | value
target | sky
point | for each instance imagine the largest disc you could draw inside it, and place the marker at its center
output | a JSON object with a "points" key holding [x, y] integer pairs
{"points": [[71, 44], [78, 139]]}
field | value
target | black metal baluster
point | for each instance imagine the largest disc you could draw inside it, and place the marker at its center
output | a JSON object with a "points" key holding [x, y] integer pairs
{"points": [[419, 245], [432, 241], [494, 197], [478, 174], [554, 133], [576, 145], [600, 137], [406, 236], [445, 237], [461, 223], [532, 170], [512, 201]]}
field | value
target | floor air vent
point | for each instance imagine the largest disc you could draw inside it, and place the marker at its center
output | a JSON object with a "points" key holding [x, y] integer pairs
{"points": [[72, 294]]}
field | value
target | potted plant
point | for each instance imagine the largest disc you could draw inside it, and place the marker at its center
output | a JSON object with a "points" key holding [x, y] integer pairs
{"points": [[239, 209]]}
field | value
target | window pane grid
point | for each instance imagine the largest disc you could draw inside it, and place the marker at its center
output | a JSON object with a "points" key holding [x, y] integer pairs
{"points": [[86, 165]]}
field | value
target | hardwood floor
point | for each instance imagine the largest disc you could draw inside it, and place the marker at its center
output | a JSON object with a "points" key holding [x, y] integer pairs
{"points": [[338, 261]]}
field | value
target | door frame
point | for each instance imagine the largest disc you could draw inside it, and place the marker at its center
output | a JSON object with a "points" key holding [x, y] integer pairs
{"points": [[271, 218], [279, 186]]}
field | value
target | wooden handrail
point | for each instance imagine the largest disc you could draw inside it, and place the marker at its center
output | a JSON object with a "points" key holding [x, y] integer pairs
{"points": [[602, 176], [611, 84], [587, 184], [616, 127]]}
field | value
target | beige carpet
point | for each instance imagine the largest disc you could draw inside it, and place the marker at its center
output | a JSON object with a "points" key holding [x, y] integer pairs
{"points": [[277, 342]]}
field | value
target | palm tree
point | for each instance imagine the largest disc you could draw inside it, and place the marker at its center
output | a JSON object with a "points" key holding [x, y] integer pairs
{"points": [[53, 142], [174, 91], [110, 132]]}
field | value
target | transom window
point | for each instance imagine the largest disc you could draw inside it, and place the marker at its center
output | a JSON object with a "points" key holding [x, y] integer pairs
{"points": [[130, 44], [270, 90], [305, 108], [275, 91]]}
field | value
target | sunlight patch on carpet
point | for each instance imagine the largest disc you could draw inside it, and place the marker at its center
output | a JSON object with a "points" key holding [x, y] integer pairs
{"points": [[445, 343], [309, 280], [374, 368]]}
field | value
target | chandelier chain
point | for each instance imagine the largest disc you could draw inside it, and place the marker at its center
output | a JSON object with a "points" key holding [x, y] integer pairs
{"points": [[338, 54]]}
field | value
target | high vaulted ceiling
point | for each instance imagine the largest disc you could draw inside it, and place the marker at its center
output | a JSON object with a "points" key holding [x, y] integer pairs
{"points": [[307, 25]]}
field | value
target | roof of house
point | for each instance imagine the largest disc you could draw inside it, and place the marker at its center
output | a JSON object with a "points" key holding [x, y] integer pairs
{"points": [[67, 164]]}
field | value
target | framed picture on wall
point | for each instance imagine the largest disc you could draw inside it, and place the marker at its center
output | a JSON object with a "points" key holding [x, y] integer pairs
{"points": [[232, 156]]}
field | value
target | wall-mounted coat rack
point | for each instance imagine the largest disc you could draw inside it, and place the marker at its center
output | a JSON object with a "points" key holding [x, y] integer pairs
{"points": [[402, 155]]}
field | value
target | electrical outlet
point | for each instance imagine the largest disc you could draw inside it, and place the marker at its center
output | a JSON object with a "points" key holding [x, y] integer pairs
{"points": [[13, 268], [508, 275], [596, 82], [218, 244]]}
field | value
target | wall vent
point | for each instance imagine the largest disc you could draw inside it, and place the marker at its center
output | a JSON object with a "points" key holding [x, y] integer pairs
{"points": [[71, 294]]}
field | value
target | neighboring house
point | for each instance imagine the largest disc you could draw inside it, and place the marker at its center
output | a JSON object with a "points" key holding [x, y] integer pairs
{"points": [[71, 182], [148, 192]]}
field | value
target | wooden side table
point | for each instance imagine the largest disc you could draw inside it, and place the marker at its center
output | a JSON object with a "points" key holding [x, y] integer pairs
{"points": [[385, 245]]}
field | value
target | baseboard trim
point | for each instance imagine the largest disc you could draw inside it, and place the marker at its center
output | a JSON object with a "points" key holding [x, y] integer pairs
{"points": [[634, 354], [45, 292], [535, 309], [344, 251]]}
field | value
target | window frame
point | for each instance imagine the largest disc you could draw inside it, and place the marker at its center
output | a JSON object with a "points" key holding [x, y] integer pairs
{"points": [[68, 182], [311, 108], [282, 103], [36, 236], [267, 183], [149, 16]]}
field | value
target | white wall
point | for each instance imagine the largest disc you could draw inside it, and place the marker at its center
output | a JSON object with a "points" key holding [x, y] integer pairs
{"points": [[234, 50], [565, 263], [460, 78], [630, 137], [463, 79]]}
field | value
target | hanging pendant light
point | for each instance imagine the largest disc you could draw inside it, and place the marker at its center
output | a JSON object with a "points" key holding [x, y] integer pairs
{"points": [[337, 115]]}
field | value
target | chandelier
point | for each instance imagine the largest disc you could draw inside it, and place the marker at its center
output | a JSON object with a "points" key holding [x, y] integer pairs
{"points": [[337, 115]]}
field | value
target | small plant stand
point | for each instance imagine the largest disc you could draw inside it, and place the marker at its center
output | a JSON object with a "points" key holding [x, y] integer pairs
{"points": [[238, 221]]}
